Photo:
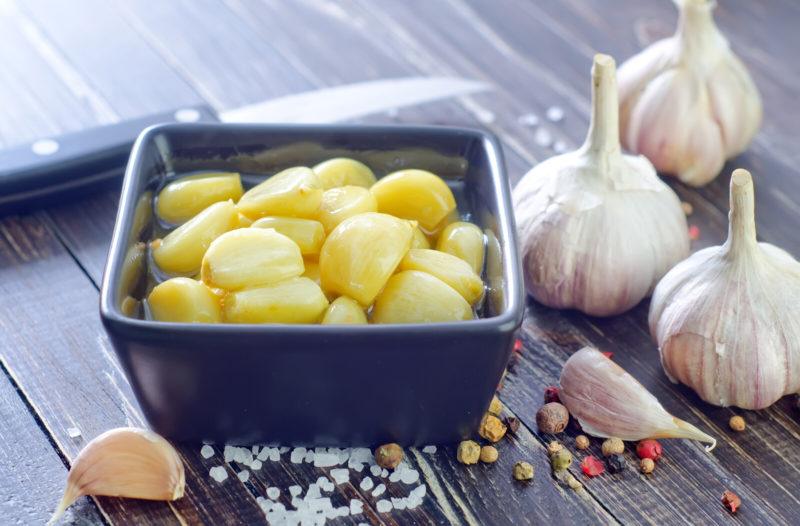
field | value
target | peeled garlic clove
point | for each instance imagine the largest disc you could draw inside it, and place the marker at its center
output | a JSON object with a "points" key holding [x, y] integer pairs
{"points": [[342, 171], [295, 300], [344, 311], [125, 462], [184, 300], [294, 192], [418, 195], [307, 233], [342, 202], [609, 402], [687, 102], [181, 200], [597, 228], [463, 240], [412, 296], [725, 319], [454, 271]]}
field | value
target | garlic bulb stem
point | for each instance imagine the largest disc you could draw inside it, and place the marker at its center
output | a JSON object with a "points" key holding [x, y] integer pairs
{"points": [[602, 139], [696, 27], [741, 218]]}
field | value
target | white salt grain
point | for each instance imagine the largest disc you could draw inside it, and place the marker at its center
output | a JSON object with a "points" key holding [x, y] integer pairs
{"points": [[366, 484], [297, 455], [358, 467], [340, 475], [310, 455], [254, 449], [244, 475], [255, 465], [429, 449], [409, 476], [419, 491], [229, 453], [273, 493], [264, 454], [326, 460], [295, 490], [528, 119], [384, 473], [206, 451], [73, 432], [356, 507], [379, 490], [543, 138], [274, 455], [218, 473], [375, 470], [342, 511], [383, 506], [555, 114], [399, 503], [395, 476]]}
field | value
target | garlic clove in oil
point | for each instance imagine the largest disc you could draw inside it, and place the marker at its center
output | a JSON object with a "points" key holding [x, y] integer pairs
{"points": [[597, 228], [687, 102], [725, 320], [609, 402], [125, 462]]}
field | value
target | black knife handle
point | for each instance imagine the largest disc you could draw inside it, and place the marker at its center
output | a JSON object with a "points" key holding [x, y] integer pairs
{"points": [[32, 174]]}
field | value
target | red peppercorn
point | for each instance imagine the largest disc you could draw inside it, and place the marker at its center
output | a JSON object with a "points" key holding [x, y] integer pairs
{"points": [[591, 466], [731, 501], [694, 232], [518, 345], [649, 448], [609, 355], [551, 395]]}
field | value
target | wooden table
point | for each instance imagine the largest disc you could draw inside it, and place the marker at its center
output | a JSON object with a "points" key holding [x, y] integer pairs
{"points": [[70, 65]]}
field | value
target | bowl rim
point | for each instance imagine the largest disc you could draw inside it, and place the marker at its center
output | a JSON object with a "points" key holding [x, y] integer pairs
{"points": [[509, 319]]}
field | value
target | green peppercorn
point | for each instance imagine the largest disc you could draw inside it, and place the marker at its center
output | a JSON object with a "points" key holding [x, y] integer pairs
{"points": [[561, 459]]}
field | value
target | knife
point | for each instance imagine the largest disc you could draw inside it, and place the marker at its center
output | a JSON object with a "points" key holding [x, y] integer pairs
{"points": [[35, 173]]}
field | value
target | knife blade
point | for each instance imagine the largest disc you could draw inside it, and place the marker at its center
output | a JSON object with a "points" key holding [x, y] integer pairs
{"points": [[32, 174]]}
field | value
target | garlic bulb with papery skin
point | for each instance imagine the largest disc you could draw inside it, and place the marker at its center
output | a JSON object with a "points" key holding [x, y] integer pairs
{"points": [[726, 320], [597, 228], [609, 402], [125, 462], [687, 102]]}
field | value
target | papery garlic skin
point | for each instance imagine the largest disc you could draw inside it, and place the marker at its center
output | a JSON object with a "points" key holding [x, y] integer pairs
{"points": [[125, 462], [687, 102], [726, 319], [597, 228], [609, 402]]}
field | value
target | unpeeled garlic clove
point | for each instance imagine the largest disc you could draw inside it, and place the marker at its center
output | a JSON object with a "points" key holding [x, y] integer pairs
{"points": [[609, 402], [687, 102], [597, 228], [725, 320], [125, 462]]}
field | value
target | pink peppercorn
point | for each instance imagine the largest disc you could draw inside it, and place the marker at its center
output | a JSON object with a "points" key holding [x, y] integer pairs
{"points": [[649, 448], [551, 395], [591, 466]]}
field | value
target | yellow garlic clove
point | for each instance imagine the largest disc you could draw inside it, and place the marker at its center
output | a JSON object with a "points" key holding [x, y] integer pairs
{"points": [[294, 192], [454, 271], [184, 300], [307, 233], [609, 402], [340, 203], [344, 311], [361, 253], [419, 239], [125, 462], [181, 251], [295, 300], [183, 199], [342, 171], [687, 102], [412, 296], [463, 240], [417, 195], [250, 257]]}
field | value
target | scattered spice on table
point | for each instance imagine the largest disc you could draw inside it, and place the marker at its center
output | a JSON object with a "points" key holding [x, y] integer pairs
{"points": [[561, 460], [489, 454], [495, 406], [647, 465], [552, 418], [694, 232], [551, 394], [573, 483], [468, 452], [554, 447], [731, 501], [582, 442], [687, 208], [512, 423], [649, 448], [389, 456], [612, 446], [616, 463], [523, 471], [737, 423], [492, 428], [592, 467]]}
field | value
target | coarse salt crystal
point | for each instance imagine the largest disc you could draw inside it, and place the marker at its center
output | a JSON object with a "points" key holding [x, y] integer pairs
{"points": [[555, 114], [342, 511], [366, 484], [384, 473], [383, 506], [356, 507], [409, 476], [375, 470], [325, 460], [229, 453], [340, 475], [206, 451], [419, 491], [274, 455], [429, 449], [218, 473], [73, 432], [399, 503], [273, 493], [379, 490], [295, 490], [310, 455], [254, 449], [255, 465], [263, 454], [243, 475], [395, 476], [358, 467], [528, 119], [297, 455]]}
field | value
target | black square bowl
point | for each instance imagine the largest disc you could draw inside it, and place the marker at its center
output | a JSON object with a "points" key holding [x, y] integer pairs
{"points": [[313, 384]]}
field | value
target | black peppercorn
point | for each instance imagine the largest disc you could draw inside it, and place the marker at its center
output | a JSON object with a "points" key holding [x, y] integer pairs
{"points": [[616, 463]]}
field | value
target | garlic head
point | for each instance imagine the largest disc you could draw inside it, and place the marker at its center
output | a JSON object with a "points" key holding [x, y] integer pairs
{"points": [[597, 228], [687, 102], [725, 320], [125, 462]]}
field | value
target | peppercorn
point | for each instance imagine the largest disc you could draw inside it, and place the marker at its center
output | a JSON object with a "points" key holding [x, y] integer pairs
{"points": [[582, 442], [573, 483], [495, 406], [737, 423], [649, 448], [489, 454], [552, 418], [389, 456], [551, 394], [560, 460], [687, 208], [592, 467], [512, 423], [613, 446], [468, 452], [616, 463], [523, 471], [554, 447], [492, 428], [647, 465], [731, 501]]}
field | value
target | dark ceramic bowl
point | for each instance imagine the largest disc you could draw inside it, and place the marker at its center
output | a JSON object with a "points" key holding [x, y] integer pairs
{"points": [[313, 384]]}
